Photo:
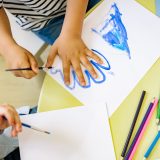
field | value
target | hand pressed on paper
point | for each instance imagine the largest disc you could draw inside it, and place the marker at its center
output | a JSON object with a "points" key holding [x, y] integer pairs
{"points": [[10, 117], [18, 57], [73, 52]]}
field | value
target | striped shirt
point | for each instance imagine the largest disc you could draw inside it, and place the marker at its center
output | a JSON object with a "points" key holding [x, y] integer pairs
{"points": [[34, 14]]}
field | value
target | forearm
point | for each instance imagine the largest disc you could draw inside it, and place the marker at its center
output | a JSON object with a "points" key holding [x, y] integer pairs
{"points": [[75, 13], [6, 39]]}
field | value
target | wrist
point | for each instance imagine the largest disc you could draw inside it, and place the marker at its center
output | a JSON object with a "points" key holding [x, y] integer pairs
{"points": [[68, 34], [6, 46], [71, 31]]}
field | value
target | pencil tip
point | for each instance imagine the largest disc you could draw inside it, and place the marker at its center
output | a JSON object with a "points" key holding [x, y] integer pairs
{"points": [[153, 99], [157, 120]]}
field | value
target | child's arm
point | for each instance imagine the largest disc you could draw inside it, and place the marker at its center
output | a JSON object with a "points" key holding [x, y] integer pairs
{"points": [[10, 117], [70, 45], [15, 55]]}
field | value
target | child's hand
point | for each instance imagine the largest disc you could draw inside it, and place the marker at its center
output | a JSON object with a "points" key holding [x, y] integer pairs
{"points": [[10, 117], [18, 57], [73, 51]]}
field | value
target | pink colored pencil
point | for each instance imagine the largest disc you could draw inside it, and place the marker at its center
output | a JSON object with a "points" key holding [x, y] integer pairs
{"points": [[143, 129]]}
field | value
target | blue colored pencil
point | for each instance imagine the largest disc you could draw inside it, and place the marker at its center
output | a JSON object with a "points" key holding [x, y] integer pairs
{"points": [[34, 128], [148, 152], [138, 131]]}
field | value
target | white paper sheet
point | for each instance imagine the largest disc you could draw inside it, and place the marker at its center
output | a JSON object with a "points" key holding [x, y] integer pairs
{"points": [[143, 32], [79, 133]]}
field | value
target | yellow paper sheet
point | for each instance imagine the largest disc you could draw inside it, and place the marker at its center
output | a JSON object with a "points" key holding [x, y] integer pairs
{"points": [[121, 120]]}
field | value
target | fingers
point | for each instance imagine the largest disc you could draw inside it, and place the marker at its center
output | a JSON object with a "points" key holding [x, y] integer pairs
{"points": [[78, 70], [19, 57], [33, 64], [86, 63], [30, 63], [18, 124], [89, 66], [75, 58], [26, 74], [17, 127], [66, 72], [84, 60], [1, 122], [92, 55], [10, 117], [51, 57]]}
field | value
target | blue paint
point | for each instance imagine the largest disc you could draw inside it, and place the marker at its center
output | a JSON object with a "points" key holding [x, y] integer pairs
{"points": [[113, 30], [89, 77]]}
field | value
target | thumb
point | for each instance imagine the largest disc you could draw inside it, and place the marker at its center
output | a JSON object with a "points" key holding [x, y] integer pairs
{"points": [[51, 56], [33, 63], [3, 123]]}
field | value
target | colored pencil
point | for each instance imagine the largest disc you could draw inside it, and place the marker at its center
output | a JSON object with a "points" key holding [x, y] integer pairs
{"points": [[143, 130], [158, 112], [148, 152], [34, 128], [28, 69], [133, 124], [138, 131]]}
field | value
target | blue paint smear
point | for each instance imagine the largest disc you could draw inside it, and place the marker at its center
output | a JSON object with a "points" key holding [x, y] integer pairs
{"points": [[113, 30], [54, 71]]}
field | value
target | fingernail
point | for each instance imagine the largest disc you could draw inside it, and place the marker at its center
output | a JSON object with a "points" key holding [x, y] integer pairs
{"points": [[36, 70], [67, 83], [12, 123], [100, 61], [20, 129], [95, 76], [83, 83]]}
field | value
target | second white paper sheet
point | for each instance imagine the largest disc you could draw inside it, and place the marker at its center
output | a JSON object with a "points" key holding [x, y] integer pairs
{"points": [[79, 133]]}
